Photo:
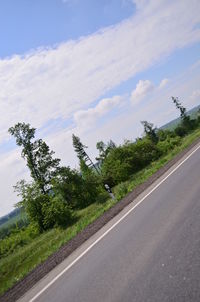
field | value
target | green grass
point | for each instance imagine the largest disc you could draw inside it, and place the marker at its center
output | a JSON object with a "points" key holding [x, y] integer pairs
{"points": [[18, 264], [15, 266]]}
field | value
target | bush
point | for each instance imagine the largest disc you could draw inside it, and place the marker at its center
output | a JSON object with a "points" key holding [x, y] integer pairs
{"points": [[121, 190], [165, 134], [77, 190], [56, 213], [125, 160], [168, 144], [43, 209], [18, 239], [180, 131]]}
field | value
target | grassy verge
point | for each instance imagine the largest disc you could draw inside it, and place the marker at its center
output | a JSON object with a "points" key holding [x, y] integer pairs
{"points": [[15, 266]]}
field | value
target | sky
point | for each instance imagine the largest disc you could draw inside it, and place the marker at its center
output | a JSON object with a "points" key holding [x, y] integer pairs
{"points": [[92, 68]]}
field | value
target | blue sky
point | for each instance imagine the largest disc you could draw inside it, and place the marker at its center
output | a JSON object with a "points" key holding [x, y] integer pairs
{"points": [[26, 25], [93, 68]]}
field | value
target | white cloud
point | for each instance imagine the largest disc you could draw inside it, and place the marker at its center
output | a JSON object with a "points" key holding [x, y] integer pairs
{"points": [[145, 88], [196, 94], [140, 3], [163, 83], [141, 90], [87, 117]]}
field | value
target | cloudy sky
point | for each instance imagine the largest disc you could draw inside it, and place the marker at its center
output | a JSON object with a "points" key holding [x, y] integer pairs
{"points": [[93, 68]]}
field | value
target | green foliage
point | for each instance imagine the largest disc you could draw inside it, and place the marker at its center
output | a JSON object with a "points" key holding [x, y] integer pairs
{"points": [[42, 209], [180, 131], [56, 213], [32, 200], [92, 184], [47, 166], [121, 190], [17, 239], [39, 158], [179, 107], [150, 131], [104, 149], [187, 124], [78, 190], [23, 134], [79, 147], [11, 227], [165, 134], [168, 144], [81, 154], [125, 160], [114, 168], [70, 185]]}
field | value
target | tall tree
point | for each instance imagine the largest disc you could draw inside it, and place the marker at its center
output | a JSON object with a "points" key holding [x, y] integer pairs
{"points": [[79, 147], [81, 154], [186, 123], [180, 107], [39, 158], [86, 162], [150, 131], [104, 149]]}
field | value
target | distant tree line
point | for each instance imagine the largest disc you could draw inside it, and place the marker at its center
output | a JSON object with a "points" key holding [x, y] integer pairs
{"points": [[7, 217]]}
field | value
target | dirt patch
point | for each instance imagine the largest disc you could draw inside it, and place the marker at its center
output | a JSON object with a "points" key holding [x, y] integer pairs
{"points": [[41, 270]]}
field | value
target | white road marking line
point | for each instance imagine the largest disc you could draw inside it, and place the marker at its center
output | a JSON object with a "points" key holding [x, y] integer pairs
{"points": [[112, 227]]}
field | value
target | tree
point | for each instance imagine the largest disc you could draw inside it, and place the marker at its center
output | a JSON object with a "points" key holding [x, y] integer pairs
{"points": [[39, 158], [46, 165], [77, 189], [179, 107], [186, 122], [125, 160], [198, 116], [56, 213], [32, 200], [44, 210], [104, 149], [79, 147], [150, 131], [82, 155], [69, 184]]}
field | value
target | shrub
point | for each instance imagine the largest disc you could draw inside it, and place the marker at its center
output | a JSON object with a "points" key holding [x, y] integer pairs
{"points": [[125, 160], [168, 144], [165, 134], [56, 213], [78, 190], [121, 190], [18, 239], [180, 131]]}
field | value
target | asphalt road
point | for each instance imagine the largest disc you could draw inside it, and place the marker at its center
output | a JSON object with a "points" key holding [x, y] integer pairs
{"points": [[152, 255]]}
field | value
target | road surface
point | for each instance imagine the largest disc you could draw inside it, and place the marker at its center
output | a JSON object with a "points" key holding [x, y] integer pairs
{"points": [[152, 254]]}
